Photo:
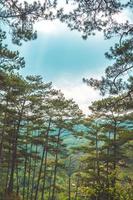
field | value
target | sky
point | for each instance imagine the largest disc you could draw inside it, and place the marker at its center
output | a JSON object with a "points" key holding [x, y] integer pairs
{"points": [[63, 57]]}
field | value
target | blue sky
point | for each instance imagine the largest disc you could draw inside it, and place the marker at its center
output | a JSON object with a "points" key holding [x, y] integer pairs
{"points": [[63, 57]]}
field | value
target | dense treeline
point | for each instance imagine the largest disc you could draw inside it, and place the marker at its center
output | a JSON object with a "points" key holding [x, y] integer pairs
{"points": [[36, 121], [36, 162]]}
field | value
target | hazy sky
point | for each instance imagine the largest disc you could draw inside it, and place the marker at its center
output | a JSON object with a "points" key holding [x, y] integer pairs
{"points": [[63, 57]]}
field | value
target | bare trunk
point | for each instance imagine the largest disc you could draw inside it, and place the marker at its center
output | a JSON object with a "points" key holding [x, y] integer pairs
{"points": [[29, 174], [69, 188], [76, 192], [56, 164], [33, 177], [41, 165], [14, 154], [45, 169], [25, 169], [50, 185], [3, 131]]}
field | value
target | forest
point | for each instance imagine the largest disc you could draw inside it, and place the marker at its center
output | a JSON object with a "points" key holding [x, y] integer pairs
{"points": [[49, 149]]}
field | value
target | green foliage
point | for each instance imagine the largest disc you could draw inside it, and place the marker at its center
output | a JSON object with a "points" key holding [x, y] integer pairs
{"points": [[20, 17], [33, 120]]}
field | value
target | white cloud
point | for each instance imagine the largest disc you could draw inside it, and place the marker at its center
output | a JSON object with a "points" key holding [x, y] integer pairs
{"points": [[78, 91], [48, 27], [123, 17]]}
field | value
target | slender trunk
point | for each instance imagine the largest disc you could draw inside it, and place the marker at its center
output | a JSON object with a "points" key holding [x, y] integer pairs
{"points": [[8, 171], [50, 185], [69, 179], [29, 173], [33, 177], [17, 177], [2, 134], [45, 169], [14, 154], [3, 131], [13, 163], [115, 153], [41, 165], [115, 146], [25, 169], [97, 167], [97, 157], [108, 154], [56, 165], [69, 188], [39, 175], [76, 192]]}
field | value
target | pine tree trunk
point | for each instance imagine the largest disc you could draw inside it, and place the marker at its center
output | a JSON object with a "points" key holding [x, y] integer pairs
{"points": [[115, 153], [97, 167], [13, 163], [69, 188], [33, 177], [25, 169], [77, 186], [3, 131], [56, 165], [29, 174], [45, 169], [14, 153], [50, 186], [108, 154], [8, 172], [17, 177], [41, 165]]}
